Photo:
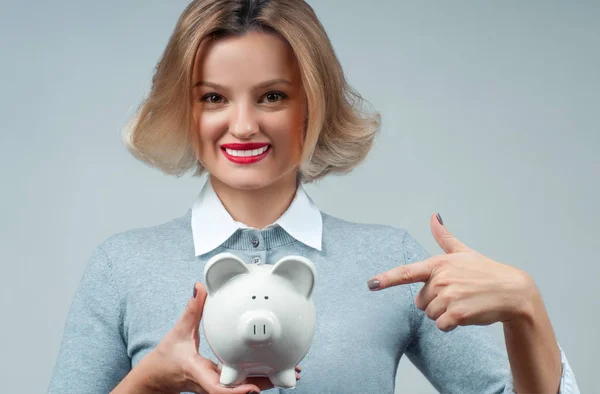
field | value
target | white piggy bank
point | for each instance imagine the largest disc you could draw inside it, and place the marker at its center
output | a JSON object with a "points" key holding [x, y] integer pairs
{"points": [[259, 320]]}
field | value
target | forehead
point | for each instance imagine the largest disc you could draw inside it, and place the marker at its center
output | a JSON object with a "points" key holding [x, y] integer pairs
{"points": [[252, 57]]}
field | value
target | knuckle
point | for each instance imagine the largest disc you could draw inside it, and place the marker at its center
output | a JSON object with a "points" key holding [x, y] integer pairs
{"points": [[404, 273], [523, 279], [437, 284], [442, 272], [447, 296], [419, 303], [443, 324], [443, 262], [430, 314], [448, 327], [459, 315]]}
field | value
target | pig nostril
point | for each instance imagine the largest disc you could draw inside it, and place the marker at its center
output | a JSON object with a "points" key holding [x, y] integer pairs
{"points": [[254, 330], [265, 329]]}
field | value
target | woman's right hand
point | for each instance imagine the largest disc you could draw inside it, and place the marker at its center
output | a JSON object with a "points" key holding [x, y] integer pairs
{"points": [[182, 368]]}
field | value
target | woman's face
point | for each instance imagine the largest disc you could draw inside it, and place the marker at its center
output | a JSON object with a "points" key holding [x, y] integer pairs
{"points": [[249, 110]]}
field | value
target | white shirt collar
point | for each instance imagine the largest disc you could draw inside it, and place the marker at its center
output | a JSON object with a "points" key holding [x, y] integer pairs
{"points": [[212, 224]]}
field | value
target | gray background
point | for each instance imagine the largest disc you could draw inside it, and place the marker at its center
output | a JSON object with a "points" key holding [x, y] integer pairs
{"points": [[489, 117]]}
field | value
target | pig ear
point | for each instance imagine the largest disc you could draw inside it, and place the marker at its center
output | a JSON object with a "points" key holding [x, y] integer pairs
{"points": [[298, 270], [222, 268]]}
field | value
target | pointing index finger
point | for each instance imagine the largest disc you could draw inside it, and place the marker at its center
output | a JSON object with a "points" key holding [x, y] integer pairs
{"points": [[402, 275]]}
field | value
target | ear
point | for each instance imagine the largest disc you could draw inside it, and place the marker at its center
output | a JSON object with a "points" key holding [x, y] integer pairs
{"points": [[222, 268], [298, 270]]}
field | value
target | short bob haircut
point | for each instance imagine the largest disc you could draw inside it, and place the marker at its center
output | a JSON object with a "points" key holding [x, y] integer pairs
{"points": [[338, 135]]}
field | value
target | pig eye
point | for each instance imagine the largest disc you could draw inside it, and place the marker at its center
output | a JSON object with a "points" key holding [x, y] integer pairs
{"points": [[253, 297], [266, 297]]}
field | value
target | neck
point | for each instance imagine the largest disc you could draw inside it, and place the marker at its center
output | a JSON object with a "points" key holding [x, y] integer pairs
{"points": [[257, 208]]}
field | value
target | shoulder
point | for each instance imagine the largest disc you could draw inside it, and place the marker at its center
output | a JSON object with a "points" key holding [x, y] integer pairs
{"points": [[344, 229], [173, 236], [373, 237]]}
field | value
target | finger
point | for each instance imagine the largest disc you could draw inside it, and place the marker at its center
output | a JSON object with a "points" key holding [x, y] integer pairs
{"points": [[436, 308], [444, 238], [446, 322], [265, 383], [202, 371], [409, 273], [242, 389], [426, 295], [194, 308], [262, 383]]}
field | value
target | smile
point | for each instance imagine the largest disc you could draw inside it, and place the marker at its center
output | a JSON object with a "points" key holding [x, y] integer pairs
{"points": [[245, 153]]}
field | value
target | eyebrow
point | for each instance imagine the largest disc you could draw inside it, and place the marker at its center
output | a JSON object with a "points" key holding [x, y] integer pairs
{"points": [[259, 86]]}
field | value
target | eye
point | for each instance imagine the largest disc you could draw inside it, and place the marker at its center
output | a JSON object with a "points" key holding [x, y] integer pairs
{"points": [[273, 97], [266, 297], [212, 98], [253, 297]]}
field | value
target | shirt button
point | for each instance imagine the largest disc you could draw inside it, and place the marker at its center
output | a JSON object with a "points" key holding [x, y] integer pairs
{"points": [[255, 242], [256, 260]]}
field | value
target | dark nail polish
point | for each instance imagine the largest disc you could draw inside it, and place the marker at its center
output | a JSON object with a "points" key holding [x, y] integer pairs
{"points": [[373, 284], [252, 392], [439, 218], [195, 291]]}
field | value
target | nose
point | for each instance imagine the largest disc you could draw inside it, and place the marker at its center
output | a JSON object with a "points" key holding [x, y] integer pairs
{"points": [[259, 328], [244, 124]]}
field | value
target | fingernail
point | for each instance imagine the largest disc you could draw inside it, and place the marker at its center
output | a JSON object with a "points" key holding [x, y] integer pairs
{"points": [[439, 218], [373, 284], [195, 291], [252, 392]]}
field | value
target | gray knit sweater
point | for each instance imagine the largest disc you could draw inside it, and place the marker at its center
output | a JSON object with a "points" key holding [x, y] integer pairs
{"points": [[137, 283]]}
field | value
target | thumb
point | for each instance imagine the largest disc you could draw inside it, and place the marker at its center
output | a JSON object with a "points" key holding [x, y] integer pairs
{"points": [[444, 238], [190, 320]]}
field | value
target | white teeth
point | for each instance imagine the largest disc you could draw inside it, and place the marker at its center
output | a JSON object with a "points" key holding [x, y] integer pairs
{"points": [[251, 152]]}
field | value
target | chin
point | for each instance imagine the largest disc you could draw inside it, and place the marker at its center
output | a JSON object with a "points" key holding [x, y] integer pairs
{"points": [[246, 181], [253, 180]]}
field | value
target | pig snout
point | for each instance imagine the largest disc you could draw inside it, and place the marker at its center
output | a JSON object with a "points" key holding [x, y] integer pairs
{"points": [[260, 328]]}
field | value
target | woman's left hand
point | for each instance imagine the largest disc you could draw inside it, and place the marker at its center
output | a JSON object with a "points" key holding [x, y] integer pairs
{"points": [[463, 287]]}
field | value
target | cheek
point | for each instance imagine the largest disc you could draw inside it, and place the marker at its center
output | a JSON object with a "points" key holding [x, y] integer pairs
{"points": [[288, 129], [210, 128]]}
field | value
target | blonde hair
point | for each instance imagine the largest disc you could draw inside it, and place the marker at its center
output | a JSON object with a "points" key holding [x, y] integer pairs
{"points": [[338, 134]]}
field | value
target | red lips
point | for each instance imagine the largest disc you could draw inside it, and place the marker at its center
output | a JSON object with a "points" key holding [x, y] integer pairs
{"points": [[245, 146]]}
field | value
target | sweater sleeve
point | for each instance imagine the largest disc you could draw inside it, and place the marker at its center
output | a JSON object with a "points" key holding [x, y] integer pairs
{"points": [[93, 355], [467, 359]]}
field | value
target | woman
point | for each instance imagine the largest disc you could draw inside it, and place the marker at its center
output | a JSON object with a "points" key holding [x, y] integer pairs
{"points": [[251, 93]]}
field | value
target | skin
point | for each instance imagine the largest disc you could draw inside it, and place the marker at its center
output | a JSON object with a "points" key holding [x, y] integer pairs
{"points": [[462, 286], [238, 110]]}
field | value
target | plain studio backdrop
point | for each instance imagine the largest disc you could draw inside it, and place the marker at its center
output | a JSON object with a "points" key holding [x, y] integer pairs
{"points": [[490, 116]]}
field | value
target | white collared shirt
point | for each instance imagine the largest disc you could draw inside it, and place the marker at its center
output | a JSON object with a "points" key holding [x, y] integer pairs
{"points": [[212, 224]]}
